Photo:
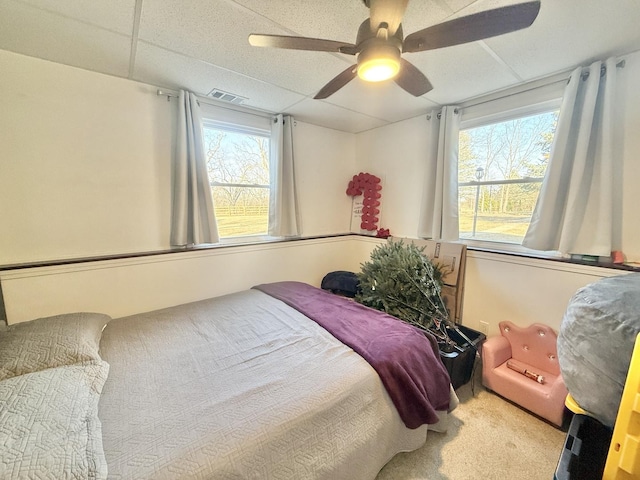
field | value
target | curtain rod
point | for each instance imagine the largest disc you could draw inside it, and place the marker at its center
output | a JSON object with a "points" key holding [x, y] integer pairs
{"points": [[213, 103], [603, 69], [553, 79]]}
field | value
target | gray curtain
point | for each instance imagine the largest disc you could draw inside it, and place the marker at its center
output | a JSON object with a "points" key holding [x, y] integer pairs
{"points": [[439, 208], [193, 217], [578, 208], [284, 219]]}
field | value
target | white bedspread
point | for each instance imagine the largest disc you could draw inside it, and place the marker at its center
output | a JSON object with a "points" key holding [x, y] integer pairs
{"points": [[242, 387]]}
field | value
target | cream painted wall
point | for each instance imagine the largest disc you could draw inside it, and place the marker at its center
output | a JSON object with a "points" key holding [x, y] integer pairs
{"points": [[85, 165], [500, 287], [522, 290], [85, 170], [395, 153], [328, 161]]}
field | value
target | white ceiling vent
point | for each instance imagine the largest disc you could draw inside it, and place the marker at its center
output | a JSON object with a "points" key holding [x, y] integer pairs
{"points": [[226, 96]]}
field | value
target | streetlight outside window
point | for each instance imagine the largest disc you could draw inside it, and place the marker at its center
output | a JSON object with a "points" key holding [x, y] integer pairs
{"points": [[479, 175]]}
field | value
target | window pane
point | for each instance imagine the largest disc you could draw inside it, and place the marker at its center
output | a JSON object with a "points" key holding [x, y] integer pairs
{"points": [[503, 213], [238, 165], [510, 152], [241, 211]]}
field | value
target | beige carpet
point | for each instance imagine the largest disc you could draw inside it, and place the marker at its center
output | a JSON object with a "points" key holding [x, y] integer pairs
{"points": [[488, 438]]}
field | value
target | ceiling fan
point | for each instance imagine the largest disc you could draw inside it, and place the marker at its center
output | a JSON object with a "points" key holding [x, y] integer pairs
{"points": [[380, 42]]}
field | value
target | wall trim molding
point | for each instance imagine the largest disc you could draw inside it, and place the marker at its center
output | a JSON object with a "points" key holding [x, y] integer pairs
{"points": [[551, 264], [124, 286], [136, 256]]}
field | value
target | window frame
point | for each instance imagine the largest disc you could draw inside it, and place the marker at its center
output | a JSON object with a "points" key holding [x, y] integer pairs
{"points": [[215, 120], [503, 109]]}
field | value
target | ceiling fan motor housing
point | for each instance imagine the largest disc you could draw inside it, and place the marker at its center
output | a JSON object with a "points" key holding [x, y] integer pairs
{"points": [[365, 33]]}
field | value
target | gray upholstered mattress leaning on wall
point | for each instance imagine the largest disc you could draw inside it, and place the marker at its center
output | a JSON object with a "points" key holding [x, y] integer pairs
{"points": [[596, 340]]}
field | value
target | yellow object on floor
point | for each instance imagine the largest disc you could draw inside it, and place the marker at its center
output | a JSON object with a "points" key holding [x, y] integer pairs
{"points": [[623, 460], [572, 405]]}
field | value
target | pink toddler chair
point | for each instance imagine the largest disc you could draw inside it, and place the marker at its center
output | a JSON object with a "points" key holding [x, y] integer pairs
{"points": [[521, 365]]}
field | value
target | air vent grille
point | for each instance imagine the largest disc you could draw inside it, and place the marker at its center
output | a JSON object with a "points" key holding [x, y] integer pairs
{"points": [[226, 96]]}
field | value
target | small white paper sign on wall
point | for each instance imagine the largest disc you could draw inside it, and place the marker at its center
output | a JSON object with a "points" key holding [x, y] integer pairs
{"points": [[356, 215]]}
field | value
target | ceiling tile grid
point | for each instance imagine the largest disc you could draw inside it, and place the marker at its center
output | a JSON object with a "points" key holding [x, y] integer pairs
{"points": [[467, 68], [320, 112], [217, 32], [333, 20], [203, 44], [384, 100], [180, 72], [567, 34]]}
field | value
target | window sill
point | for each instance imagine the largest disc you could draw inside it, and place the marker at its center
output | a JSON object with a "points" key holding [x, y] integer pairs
{"points": [[241, 241], [246, 240], [509, 248], [522, 252]]}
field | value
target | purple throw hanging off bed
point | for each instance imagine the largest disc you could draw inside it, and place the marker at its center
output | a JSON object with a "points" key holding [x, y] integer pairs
{"points": [[406, 359]]}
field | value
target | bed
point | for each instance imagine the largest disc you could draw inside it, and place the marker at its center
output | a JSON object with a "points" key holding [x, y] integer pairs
{"points": [[244, 386]]}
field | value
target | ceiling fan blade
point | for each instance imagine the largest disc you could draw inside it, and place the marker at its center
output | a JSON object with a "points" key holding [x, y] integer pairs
{"points": [[387, 11], [337, 83], [301, 43], [412, 80], [473, 27]]}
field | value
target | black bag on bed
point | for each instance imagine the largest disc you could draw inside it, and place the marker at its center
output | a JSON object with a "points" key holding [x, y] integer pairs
{"points": [[341, 283]]}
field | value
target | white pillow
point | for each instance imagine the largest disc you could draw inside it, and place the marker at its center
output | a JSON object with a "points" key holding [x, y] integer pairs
{"points": [[50, 342], [49, 426]]}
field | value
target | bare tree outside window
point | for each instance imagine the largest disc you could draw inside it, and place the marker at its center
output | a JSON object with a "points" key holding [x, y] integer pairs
{"points": [[501, 167], [238, 166]]}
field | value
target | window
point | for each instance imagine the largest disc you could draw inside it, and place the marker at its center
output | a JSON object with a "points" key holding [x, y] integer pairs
{"points": [[237, 153], [501, 165]]}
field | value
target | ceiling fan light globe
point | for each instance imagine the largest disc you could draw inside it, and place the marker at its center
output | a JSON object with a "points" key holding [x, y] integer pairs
{"points": [[378, 63], [378, 69]]}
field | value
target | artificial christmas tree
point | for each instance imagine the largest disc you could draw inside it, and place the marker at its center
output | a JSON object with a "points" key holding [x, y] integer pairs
{"points": [[402, 281]]}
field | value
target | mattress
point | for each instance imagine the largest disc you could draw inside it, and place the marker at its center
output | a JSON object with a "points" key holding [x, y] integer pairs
{"points": [[242, 387]]}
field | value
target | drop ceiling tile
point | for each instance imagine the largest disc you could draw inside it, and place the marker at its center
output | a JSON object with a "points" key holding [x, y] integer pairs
{"points": [[461, 72], [330, 19], [421, 14], [384, 100], [466, 7], [564, 36], [114, 15], [339, 19], [319, 112], [180, 72], [84, 34], [217, 32], [31, 31], [457, 5]]}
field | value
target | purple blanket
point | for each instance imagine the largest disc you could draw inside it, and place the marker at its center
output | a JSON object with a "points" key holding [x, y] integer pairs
{"points": [[407, 361]]}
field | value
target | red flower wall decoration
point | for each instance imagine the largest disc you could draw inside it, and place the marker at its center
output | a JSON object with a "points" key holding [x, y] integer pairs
{"points": [[369, 186]]}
